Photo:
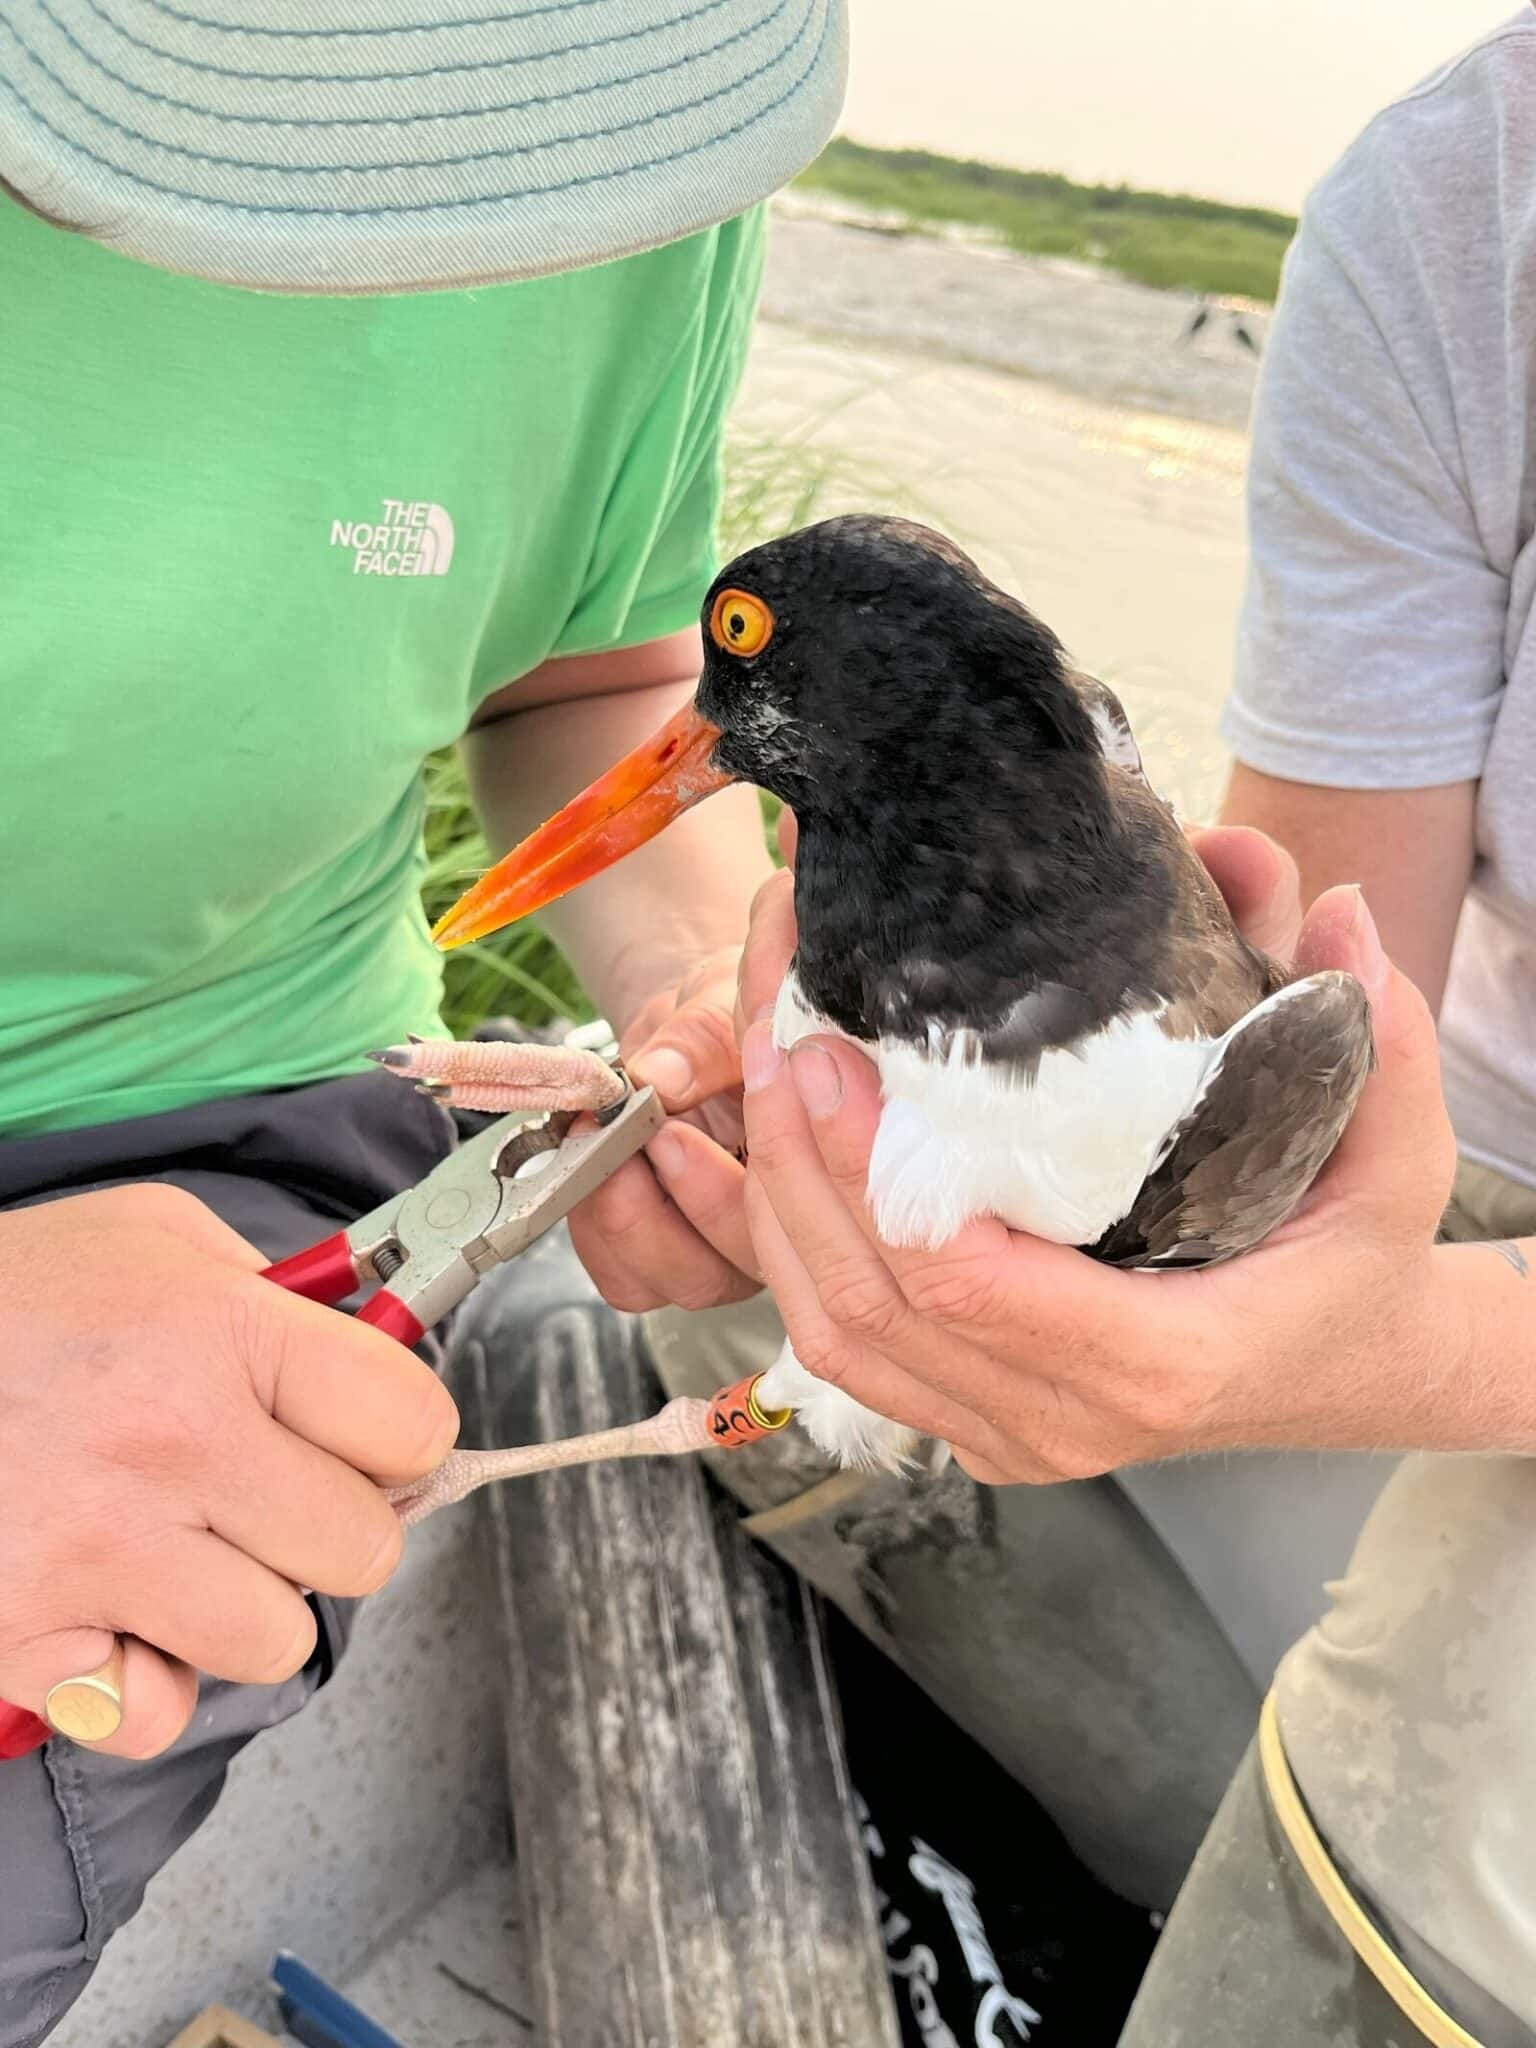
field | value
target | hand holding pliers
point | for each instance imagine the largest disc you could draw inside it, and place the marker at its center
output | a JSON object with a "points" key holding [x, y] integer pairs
{"points": [[427, 1249]]}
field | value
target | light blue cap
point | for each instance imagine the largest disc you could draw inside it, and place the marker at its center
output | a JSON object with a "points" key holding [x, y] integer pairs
{"points": [[396, 145]]}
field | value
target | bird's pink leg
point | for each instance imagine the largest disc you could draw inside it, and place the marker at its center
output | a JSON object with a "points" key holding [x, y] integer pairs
{"points": [[732, 1418], [683, 1425], [496, 1075]]}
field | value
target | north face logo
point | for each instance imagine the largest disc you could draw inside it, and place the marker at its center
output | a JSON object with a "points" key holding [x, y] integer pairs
{"points": [[406, 540]]}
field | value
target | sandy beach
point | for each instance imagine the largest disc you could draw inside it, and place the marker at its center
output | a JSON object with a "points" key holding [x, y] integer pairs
{"points": [[1050, 418]]}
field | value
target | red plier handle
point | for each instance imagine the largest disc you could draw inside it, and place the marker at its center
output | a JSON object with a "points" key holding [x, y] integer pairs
{"points": [[328, 1272], [20, 1732], [322, 1272]]}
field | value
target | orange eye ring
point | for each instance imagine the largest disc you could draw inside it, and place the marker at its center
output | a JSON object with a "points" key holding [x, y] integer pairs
{"points": [[740, 623]]}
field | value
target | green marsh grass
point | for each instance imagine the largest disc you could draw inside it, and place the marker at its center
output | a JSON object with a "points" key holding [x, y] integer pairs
{"points": [[1168, 239]]}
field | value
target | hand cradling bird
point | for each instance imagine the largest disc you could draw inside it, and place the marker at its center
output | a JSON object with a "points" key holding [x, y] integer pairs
{"points": [[1071, 1033]]}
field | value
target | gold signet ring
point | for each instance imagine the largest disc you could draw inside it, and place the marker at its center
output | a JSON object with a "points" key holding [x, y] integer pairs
{"points": [[89, 1708]]}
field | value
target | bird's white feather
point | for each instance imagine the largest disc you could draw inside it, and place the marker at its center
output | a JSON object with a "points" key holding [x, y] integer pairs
{"points": [[1116, 741], [1059, 1148], [794, 1019], [833, 1420]]}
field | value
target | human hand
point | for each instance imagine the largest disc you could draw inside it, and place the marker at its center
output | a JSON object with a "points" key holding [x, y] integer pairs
{"points": [[1037, 1363], [186, 1445], [669, 1226]]}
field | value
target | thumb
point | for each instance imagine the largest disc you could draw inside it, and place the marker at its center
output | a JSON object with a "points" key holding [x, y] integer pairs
{"points": [[694, 1055], [1398, 1154], [770, 947], [1259, 880], [789, 836]]}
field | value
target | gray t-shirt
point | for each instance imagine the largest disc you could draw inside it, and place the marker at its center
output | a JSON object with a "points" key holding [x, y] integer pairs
{"points": [[1386, 639]]}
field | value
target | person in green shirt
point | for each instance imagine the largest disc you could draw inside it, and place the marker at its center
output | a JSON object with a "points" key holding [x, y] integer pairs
{"points": [[375, 401]]}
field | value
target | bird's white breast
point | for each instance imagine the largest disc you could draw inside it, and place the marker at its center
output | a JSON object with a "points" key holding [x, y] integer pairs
{"points": [[1059, 1149], [794, 1019]]}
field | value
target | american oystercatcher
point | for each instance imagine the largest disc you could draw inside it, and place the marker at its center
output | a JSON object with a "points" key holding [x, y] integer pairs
{"points": [[1071, 1033]]}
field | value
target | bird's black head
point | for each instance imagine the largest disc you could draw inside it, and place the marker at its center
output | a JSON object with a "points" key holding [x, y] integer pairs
{"points": [[857, 655], [865, 671]]}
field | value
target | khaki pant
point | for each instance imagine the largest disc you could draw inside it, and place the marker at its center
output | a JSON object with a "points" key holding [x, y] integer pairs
{"points": [[1408, 1713]]}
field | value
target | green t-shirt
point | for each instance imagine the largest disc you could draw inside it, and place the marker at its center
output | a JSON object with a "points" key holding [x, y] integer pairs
{"points": [[259, 556]]}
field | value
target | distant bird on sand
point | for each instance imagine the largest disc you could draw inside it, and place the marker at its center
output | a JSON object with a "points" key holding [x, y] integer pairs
{"points": [[1236, 312]]}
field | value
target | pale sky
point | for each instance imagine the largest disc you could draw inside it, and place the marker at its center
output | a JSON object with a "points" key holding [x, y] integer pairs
{"points": [[1236, 99]]}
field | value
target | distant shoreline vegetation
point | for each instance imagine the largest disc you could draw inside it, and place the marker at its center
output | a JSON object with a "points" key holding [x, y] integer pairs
{"points": [[1167, 239]]}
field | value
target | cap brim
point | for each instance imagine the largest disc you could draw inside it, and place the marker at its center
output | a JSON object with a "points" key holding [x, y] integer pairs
{"points": [[340, 157]]}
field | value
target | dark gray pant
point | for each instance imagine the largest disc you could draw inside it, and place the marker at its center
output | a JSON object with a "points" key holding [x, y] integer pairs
{"points": [[80, 1834]]}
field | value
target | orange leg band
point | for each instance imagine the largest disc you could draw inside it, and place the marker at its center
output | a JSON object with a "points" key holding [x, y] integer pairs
{"points": [[737, 1417]]}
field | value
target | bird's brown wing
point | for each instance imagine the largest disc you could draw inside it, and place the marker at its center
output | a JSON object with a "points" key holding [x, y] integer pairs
{"points": [[1260, 1133]]}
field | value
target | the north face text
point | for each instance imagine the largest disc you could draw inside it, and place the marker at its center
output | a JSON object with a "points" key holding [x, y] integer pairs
{"points": [[414, 539]]}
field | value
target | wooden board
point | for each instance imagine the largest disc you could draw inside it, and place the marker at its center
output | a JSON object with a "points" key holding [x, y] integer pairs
{"points": [[690, 1856]]}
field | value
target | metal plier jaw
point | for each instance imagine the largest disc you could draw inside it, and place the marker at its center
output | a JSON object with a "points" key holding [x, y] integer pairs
{"points": [[491, 1199]]}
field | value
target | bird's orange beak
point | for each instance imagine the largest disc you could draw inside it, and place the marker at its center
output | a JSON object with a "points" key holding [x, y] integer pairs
{"points": [[638, 797]]}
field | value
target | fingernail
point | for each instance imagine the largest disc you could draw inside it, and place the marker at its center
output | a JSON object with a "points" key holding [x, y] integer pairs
{"points": [[1374, 964], [669, 1072], [760, 1058], [815, 1075], [763, 1012], [666, 1155]]}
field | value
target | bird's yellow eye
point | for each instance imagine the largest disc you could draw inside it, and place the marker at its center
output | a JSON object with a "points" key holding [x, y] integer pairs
{"points": [[739, 623]]}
